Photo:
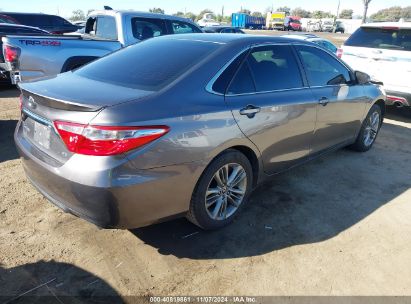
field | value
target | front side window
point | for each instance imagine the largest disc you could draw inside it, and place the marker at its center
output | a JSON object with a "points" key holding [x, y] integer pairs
{"points": [[106, 28], [145, 28], [180, 27], [327, 45], [321, 68]]}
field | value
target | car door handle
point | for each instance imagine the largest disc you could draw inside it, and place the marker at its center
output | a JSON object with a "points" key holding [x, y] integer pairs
{"points": [[250, 111], [323, 101]]}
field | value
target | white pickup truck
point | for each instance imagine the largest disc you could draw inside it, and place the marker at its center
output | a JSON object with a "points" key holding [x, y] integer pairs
{"points": [[31, 57]]}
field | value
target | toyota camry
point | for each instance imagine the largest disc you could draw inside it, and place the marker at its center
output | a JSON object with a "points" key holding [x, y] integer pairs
{"points": [[189, 125]]}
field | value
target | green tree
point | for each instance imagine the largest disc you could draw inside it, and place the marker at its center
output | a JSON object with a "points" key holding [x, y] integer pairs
{"points": [[245, 11], [190, 15], [257, 14], [393, 13], [179, 14], [298, 11], [205, 11], [78, 15], [284, 9], [156, 10], [321, 15], [364, 14], [346, 14]]}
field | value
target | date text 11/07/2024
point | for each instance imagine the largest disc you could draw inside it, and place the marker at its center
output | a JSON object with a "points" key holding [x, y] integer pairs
{"points": [[205, 299]]}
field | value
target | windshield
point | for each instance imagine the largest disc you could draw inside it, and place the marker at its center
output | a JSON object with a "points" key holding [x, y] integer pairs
{"points": [[149, 65], [381, 38]]}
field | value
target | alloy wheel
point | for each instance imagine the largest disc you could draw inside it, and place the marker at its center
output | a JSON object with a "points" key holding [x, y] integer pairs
{"points": [[226, 191]]}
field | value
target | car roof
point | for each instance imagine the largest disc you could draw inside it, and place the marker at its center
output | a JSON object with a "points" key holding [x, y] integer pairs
{"points": [[301, 36], [230, 38], [22, 26], [19, 13], [137, 14], [406, 25]]}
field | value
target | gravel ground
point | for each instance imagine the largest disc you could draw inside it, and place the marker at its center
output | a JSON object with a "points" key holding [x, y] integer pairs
{"points": [[337, 226]]}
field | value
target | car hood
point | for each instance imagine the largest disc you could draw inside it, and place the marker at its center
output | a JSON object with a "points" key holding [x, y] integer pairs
{"points": [[72, 89]]}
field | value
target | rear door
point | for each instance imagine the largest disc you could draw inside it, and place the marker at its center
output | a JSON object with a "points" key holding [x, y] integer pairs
{"points": [[272, 105], [340, 102]]}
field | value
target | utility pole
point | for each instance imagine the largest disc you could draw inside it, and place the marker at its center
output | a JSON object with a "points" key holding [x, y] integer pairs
{"points": [[338, 11], [222, 12]]}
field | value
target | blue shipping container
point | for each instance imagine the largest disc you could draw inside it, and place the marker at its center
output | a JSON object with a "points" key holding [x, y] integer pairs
{"points": [[241, 20]]}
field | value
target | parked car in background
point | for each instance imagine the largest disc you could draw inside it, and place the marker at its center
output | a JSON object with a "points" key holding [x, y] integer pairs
{"points": [[106, 31], [324, 43], [383, 50], [7, 19], [292, 23], [339, 27], [51, 23], [222, 29], [327, 25], [14, 29], [131, 139]]}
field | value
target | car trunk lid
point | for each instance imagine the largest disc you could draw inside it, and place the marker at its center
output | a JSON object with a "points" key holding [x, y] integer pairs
{"points": [[77, 101]]}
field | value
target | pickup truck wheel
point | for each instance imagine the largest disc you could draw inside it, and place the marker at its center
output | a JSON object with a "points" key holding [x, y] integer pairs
{"points": [[369, 130]]}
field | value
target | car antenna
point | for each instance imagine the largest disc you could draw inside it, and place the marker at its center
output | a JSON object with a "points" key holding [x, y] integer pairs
{"points": [[108, 8]]}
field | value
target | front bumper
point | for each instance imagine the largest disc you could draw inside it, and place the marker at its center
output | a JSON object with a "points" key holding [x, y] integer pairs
{"points": [[113, 197]]}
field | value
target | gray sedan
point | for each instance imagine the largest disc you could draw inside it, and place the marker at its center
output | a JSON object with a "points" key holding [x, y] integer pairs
{"points": [[189, 125]]}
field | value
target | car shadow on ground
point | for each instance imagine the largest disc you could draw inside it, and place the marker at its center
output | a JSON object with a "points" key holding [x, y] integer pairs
{"points": [[398, 114], [53, 282], [7, 148], [308, 204], [9, 91]]}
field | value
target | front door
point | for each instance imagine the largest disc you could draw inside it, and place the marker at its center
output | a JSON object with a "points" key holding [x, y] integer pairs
{"points": [[341, 103]]}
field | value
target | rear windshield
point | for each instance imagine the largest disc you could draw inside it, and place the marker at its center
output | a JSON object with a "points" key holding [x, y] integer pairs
{"points": [[149, 65], [381, 38]]}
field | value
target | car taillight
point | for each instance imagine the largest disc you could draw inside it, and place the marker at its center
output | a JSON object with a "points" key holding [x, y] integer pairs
{"points": [[21, 102], [339, 53], [106, 140], [11, 53]]}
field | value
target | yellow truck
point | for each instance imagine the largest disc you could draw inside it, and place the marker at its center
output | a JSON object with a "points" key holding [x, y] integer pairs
{"points": [[275, 21]]}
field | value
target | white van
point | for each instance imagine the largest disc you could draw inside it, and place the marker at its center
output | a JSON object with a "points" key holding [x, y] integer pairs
{"points": [[383, 50]]}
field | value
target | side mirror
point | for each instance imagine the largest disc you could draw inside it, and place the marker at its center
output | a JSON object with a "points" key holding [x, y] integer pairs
{"points": [[362, 78]]}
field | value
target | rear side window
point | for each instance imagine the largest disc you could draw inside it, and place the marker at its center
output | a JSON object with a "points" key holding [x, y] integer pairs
{"points": [[106, 28], [381, 38], [274, 68], [243, 81], [222, 82], [145, 28], [180, 27], [149, 65], [321, 68]]}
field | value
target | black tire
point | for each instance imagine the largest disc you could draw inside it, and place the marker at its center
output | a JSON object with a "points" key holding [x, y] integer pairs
{"points": [[361, 144], [198, 213]]}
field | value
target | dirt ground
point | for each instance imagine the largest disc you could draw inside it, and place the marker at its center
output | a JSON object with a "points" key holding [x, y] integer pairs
{"points": [[337, 226]]}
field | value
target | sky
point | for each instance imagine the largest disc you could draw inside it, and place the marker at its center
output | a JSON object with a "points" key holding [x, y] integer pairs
{"points": [[65, 7]]}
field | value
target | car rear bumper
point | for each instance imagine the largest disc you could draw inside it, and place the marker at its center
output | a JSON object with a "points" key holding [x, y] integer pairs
{"points": [[114, 197], [398, 98]]}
